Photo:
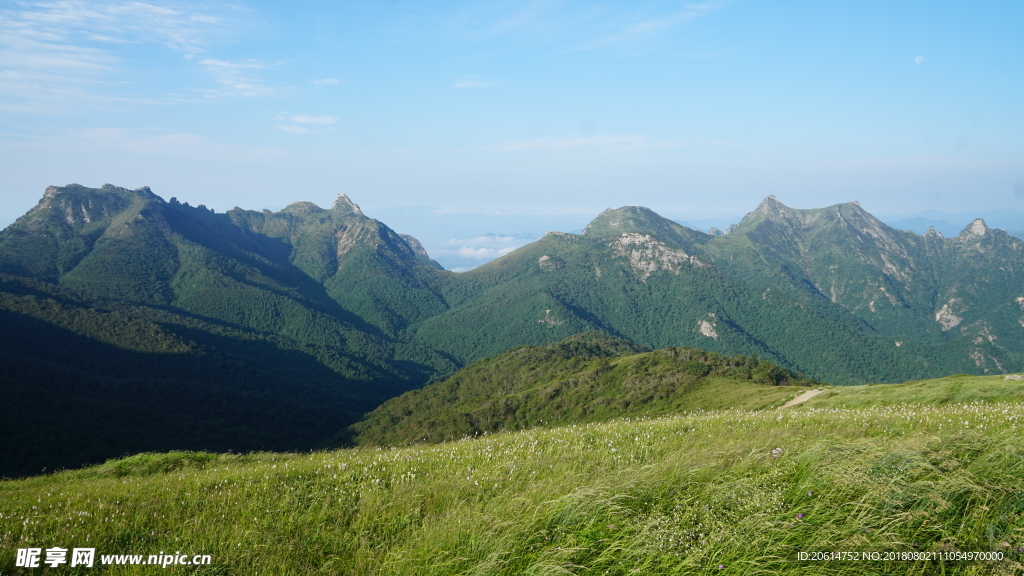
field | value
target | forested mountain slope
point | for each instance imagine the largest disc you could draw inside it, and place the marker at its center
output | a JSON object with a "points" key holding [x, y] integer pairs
{"points": [[831, 292], [314, 303], [131, 324]]}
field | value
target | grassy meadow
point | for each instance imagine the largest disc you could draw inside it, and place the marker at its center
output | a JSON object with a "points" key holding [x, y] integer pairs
{"points": [[956, 389], [707, 492]]}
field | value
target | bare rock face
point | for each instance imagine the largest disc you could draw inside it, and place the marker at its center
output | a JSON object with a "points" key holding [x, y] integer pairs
{"points": [[947, 314], [549, 319], [345, 206], [647, 255], [1014, 377], [548, 263], [707, 328], [975, 229], [421, 252]]}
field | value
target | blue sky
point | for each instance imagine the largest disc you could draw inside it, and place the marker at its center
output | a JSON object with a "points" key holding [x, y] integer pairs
{"points": [[554, 108]]}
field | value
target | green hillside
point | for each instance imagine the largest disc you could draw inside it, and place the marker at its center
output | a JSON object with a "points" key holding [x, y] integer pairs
{"points": [[959, 389], [910, 489], [589, 377]]}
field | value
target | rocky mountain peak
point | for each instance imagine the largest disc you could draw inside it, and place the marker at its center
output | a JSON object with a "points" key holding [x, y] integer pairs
{"points": [[54, 191], [302, 208], [772, 208], [345, 206], [847, 214], [769, 209], [420, 251], [775, 210], [627, 219], [975, 229], [76, 204]]}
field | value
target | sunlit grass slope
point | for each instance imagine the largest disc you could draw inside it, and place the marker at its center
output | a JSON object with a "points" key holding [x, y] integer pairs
{"points": [[726, 492], [959, 388]]}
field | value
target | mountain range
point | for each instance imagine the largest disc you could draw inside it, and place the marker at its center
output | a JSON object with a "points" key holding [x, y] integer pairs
{"points": [[950, 224], [136, 323]]}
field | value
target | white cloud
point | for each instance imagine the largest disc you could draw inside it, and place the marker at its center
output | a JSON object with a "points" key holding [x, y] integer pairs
{"points": [[486, 247], [64, 54], [484, 253], [236, 78], [302, 123], [117, 22], [478, 253], [301, 119], [327, 81], [628, 142], [497, 239]]}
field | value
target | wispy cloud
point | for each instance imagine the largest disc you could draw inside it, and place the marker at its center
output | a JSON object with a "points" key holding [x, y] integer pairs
{"points": [[626, 142], [326, 81], [304, 123], [114, 22], [68, 53], [577, 26], [236, 78], [481, 20], [647, 27]]}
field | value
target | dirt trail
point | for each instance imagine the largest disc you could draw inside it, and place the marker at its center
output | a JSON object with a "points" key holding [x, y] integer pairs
{"points": [[803, 397]]}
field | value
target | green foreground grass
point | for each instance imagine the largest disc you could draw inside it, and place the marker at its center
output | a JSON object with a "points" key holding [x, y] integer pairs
{"points": [[719, 492]]}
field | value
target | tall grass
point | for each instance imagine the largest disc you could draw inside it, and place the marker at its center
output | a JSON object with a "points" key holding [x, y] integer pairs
{"points": [[726, 492]]}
